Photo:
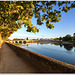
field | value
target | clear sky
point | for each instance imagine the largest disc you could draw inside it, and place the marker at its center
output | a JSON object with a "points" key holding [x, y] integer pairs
{"points": [[62, 28]]}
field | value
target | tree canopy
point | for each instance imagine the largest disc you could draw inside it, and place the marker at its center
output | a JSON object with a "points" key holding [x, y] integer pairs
{"points": [[13, 14], [67, 38]]}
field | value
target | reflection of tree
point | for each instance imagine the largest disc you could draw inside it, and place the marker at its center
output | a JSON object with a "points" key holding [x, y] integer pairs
{"points": [[68, 47], [51, 43], [27, 44], [41, 43], [55, 44], [37, 43], [60, 45], [74, 44]]}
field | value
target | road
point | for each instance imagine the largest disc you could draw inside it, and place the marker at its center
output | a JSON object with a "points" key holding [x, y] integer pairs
{"points": [[11, 63]]}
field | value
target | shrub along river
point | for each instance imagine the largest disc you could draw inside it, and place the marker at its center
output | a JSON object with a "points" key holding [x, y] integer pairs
{"points": [[65, 53]]}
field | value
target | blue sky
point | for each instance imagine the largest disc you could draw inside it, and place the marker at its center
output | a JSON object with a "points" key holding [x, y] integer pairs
{"points": [[62, 28]]}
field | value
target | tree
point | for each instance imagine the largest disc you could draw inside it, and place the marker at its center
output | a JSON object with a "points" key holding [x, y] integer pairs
{"points": [[74, 37], [13, 14], [27, 38], [55, 38], [67, 38], [60, 38]]}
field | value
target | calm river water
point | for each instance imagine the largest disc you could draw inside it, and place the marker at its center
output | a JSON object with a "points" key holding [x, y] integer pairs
{"points": [[65, 53]]}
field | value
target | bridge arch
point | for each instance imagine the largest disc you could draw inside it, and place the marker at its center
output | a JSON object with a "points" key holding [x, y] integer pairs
{"points": [[24, 42], [20, 41], [16, 42]]}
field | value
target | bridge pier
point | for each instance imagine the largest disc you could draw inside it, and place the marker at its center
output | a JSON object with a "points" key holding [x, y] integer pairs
{"points": [[18, 41], [22, 42], [13, 41]]}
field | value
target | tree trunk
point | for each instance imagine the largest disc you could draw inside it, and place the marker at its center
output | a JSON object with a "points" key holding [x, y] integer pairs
{"points": [[1, 41]]}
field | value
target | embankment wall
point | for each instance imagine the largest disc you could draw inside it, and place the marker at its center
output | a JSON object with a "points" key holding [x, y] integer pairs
{"points": [[46, 64]]}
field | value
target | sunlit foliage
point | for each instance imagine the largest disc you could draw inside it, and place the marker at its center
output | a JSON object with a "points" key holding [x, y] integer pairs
{"points": [[14, 14]]}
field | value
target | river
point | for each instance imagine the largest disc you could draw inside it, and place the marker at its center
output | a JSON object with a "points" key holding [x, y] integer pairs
{"points": [[65, 53]]}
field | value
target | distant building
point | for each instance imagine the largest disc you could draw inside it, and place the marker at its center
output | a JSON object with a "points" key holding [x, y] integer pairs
{"points": [[41, 39], [38, 39], [52, 39]]}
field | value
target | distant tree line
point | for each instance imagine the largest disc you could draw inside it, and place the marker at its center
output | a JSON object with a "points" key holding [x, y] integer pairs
{"points": [[66, 38]]}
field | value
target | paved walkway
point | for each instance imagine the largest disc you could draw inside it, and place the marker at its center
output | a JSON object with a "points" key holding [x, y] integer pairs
{"points": [[11, 63]]}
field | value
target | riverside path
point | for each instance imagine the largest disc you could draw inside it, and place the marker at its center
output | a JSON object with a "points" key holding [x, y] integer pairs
{"points": [[11, 63]]}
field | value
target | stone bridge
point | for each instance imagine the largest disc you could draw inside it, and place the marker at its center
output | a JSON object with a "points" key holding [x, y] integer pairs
{"points": [[19, 41]]}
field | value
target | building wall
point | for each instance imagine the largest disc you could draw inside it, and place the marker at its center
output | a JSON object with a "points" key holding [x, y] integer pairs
{"points": [[47, 64]]}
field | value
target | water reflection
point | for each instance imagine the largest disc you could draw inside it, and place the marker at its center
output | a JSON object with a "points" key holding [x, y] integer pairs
{"points": [[27, 44], [61, 45], [68, 47], [59, 51]]}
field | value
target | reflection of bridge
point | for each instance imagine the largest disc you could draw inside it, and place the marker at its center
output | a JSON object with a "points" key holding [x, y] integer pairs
{"points": [[19, 41]]}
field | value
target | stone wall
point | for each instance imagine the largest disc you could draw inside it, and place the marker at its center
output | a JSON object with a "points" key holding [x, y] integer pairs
{"points": [[47, 64]]}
